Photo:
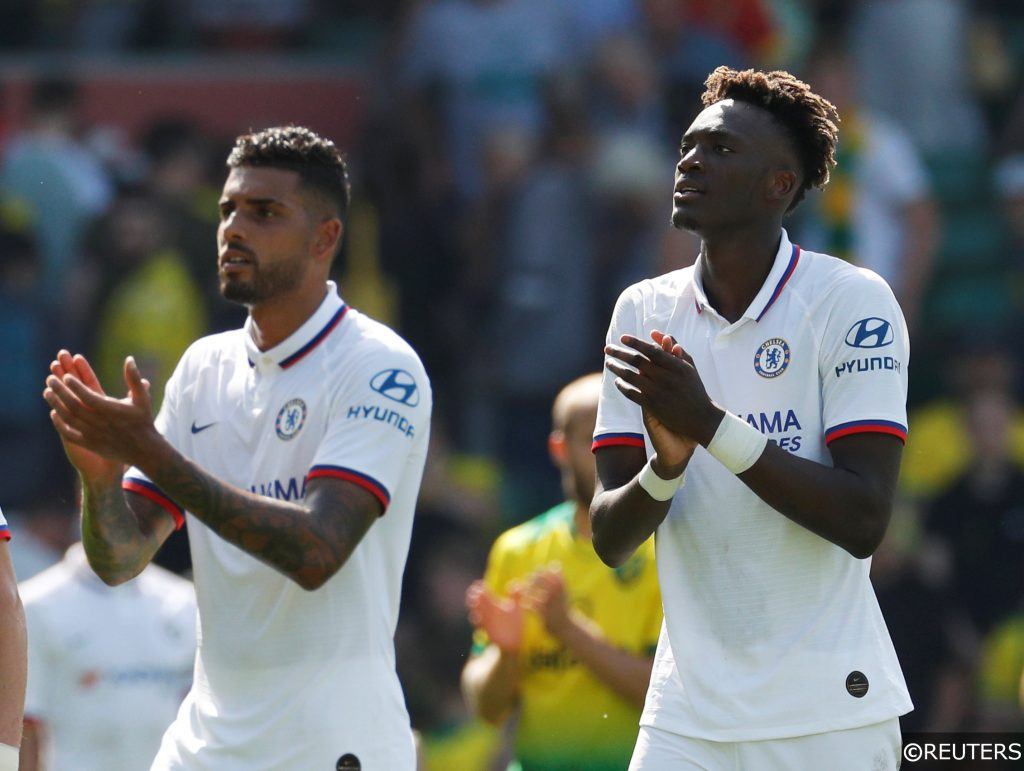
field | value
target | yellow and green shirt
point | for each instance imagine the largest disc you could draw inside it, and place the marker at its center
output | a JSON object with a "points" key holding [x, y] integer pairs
{"points": [[569, 720]]}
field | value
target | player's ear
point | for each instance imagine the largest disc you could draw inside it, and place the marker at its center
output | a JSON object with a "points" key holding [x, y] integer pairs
{"points": [[782, 184], [328, 235], [556, 447]]}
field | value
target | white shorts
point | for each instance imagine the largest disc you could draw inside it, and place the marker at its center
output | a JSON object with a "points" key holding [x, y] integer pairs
{"points": [[877, 747]]}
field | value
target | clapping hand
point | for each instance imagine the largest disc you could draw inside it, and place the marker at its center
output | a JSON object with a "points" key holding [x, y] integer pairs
{"points": [[662, 378], [100, 434], [500, 618]]}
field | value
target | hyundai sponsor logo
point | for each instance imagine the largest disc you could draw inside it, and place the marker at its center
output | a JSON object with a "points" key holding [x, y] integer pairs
{"points": [[868, 364], [382, 415], [397, 385], [872, 332]]}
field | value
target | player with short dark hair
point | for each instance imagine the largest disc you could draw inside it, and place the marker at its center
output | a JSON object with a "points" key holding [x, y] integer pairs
{"points": [[318, 162], [753, 414], [296, 444]]}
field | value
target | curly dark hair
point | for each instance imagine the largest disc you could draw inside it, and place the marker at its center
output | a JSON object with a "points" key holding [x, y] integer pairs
{"points": [[809, 119], [317, 161]]}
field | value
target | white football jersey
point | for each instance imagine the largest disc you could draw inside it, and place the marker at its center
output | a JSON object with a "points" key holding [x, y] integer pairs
{"points": [[287, 678], [108, 667], [770, 630]]}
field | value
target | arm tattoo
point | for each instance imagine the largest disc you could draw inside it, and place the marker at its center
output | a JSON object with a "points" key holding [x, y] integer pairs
{"points": [[308, 543], [119, 539]]}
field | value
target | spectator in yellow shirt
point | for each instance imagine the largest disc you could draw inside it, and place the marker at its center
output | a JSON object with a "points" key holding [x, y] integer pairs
{"points": [[561, 638]]}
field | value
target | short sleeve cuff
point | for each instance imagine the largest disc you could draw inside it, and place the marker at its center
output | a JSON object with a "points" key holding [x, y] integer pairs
{"points": [[866, 427], [358, 478], [5, 533], [617, 440], [155, 494]]}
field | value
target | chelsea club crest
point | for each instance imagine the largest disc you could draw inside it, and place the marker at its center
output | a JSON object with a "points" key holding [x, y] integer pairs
{"points": [[290, 419], [772, 358]]}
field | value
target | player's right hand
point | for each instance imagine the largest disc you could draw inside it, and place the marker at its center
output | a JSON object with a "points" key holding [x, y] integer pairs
{"points": [[500, 618], [92, 466], [672, 451]]}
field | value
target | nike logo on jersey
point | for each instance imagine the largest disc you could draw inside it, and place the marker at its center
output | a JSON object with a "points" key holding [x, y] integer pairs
{"points": [[196, 429]]}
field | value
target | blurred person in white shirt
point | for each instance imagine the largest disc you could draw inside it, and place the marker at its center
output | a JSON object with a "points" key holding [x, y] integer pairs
{"points": [[108, 668]]}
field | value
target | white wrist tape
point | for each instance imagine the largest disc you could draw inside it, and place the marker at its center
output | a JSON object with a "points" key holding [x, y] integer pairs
{"points": [[8, 758], [656, 487], [737, 444]]}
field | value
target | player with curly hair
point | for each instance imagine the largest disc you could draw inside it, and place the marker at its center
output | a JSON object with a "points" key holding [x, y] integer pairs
{"points": [[753, 413], [296, 446]]}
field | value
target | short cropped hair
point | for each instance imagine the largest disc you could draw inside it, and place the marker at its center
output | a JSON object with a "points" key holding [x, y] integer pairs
{"points": [[810, 120], [317, 161]]}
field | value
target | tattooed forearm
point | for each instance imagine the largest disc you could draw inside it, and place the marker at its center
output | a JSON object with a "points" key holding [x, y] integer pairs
{"points": [[118, 540], [307, 541]]}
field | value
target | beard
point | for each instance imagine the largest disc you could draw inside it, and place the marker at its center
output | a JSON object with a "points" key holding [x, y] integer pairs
{"points": [[265, 283]]}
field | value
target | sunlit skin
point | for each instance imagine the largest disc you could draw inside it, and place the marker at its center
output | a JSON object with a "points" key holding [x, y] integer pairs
{"points": [[737, 176], [275, 243]]}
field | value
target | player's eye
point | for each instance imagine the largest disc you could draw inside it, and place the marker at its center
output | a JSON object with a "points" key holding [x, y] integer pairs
{"points": [[722, 149], [265, 213]]}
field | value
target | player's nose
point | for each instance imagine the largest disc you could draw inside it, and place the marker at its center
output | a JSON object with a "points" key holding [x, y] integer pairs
{"points": [[232, 228], [690, 160]]}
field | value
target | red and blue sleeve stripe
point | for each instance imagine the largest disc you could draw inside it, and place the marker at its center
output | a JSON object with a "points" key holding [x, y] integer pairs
{"points": [[5, 533], [365, 481], [155, 494], [866, 427], [624, 439]]}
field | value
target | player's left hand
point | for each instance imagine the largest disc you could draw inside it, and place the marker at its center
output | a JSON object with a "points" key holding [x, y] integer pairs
{"points": [[117, 429], [665, 384], [545, 595]]}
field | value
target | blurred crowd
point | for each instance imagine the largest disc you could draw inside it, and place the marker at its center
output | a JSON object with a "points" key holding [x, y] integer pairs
{"points": [[513, 175]]}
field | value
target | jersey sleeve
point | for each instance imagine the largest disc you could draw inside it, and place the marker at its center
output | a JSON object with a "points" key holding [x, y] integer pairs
{"points": [[375, 421], [864, 354], [167, 424], [5, 531], [619, 421]]}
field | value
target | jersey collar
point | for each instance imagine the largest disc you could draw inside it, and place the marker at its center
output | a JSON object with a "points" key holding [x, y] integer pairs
{"points": [[786, 259], [303, 340]]}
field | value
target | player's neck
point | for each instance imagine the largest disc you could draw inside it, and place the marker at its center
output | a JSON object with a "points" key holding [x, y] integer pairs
{"points": [[736, 264], [276, 319]]}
